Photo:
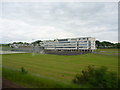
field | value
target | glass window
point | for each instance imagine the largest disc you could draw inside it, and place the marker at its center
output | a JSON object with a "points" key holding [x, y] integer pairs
{"points": [[83, 44], [62, 39], [65, 47]]}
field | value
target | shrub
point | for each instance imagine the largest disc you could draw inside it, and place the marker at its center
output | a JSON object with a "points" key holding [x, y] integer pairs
{"points": [[23, 70], [97, 77]]}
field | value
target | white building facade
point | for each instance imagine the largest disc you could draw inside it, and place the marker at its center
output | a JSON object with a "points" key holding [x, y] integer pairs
{"points": [[83, 43]]}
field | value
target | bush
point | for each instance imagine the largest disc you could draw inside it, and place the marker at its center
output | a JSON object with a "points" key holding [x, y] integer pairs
{"points": [[97, 77], [23, 70]]}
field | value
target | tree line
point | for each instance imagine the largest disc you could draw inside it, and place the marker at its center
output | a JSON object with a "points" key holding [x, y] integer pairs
{"points": [[106, 44], [99, 44]]}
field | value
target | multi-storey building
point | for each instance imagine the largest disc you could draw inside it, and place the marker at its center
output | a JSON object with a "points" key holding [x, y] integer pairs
{"points": [[70, 44]]}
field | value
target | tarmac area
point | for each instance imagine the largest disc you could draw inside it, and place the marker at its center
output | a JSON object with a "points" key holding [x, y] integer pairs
{"points": [[11, 52]]}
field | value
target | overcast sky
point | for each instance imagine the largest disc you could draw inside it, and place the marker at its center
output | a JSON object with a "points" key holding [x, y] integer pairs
{"points": [[30, 21]]}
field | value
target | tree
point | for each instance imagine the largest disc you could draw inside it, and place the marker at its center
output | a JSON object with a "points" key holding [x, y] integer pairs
{"points": [[105, 44], [36, 42], [17, 42], [117, 45], [97, 78], [97, 43]]}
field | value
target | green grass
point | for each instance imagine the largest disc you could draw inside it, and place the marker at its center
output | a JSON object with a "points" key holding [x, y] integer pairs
{"points": [[33, 81], [109, 51], [56, 67]]}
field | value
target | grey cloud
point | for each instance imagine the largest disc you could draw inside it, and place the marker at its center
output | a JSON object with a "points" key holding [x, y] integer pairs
{"points": [[73, 19]]}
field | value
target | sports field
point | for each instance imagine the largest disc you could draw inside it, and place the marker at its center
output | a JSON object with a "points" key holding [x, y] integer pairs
{"points": [[58, 67]]}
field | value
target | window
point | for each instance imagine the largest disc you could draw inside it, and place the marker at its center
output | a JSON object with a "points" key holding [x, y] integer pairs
{"points": [[50, 47], [62, 39], [82, 41], [82, 47], [83, 44], [73, 42], [84, 38], [65, 47], [73, 39], [64, 42]]}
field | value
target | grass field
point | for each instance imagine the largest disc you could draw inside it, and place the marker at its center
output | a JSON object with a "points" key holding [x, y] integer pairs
{"points": [[58, 67], [109, 51]]}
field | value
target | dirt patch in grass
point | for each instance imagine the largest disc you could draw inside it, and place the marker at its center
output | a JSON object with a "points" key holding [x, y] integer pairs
{"points": [[8, 84]]}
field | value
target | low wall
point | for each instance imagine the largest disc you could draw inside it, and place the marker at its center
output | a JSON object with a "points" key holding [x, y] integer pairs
{"points": [[66, 52]]}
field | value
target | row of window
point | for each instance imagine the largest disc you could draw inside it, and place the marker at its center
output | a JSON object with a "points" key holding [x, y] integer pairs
{"points": [[73, 39], [69, 45], [62, 39], [54, 45], [83, 47], [80, 39], [61, 47], [67, 42], [66, 47]]}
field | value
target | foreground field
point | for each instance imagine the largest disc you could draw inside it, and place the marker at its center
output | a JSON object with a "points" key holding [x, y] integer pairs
{"points": [[59, 68]]}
